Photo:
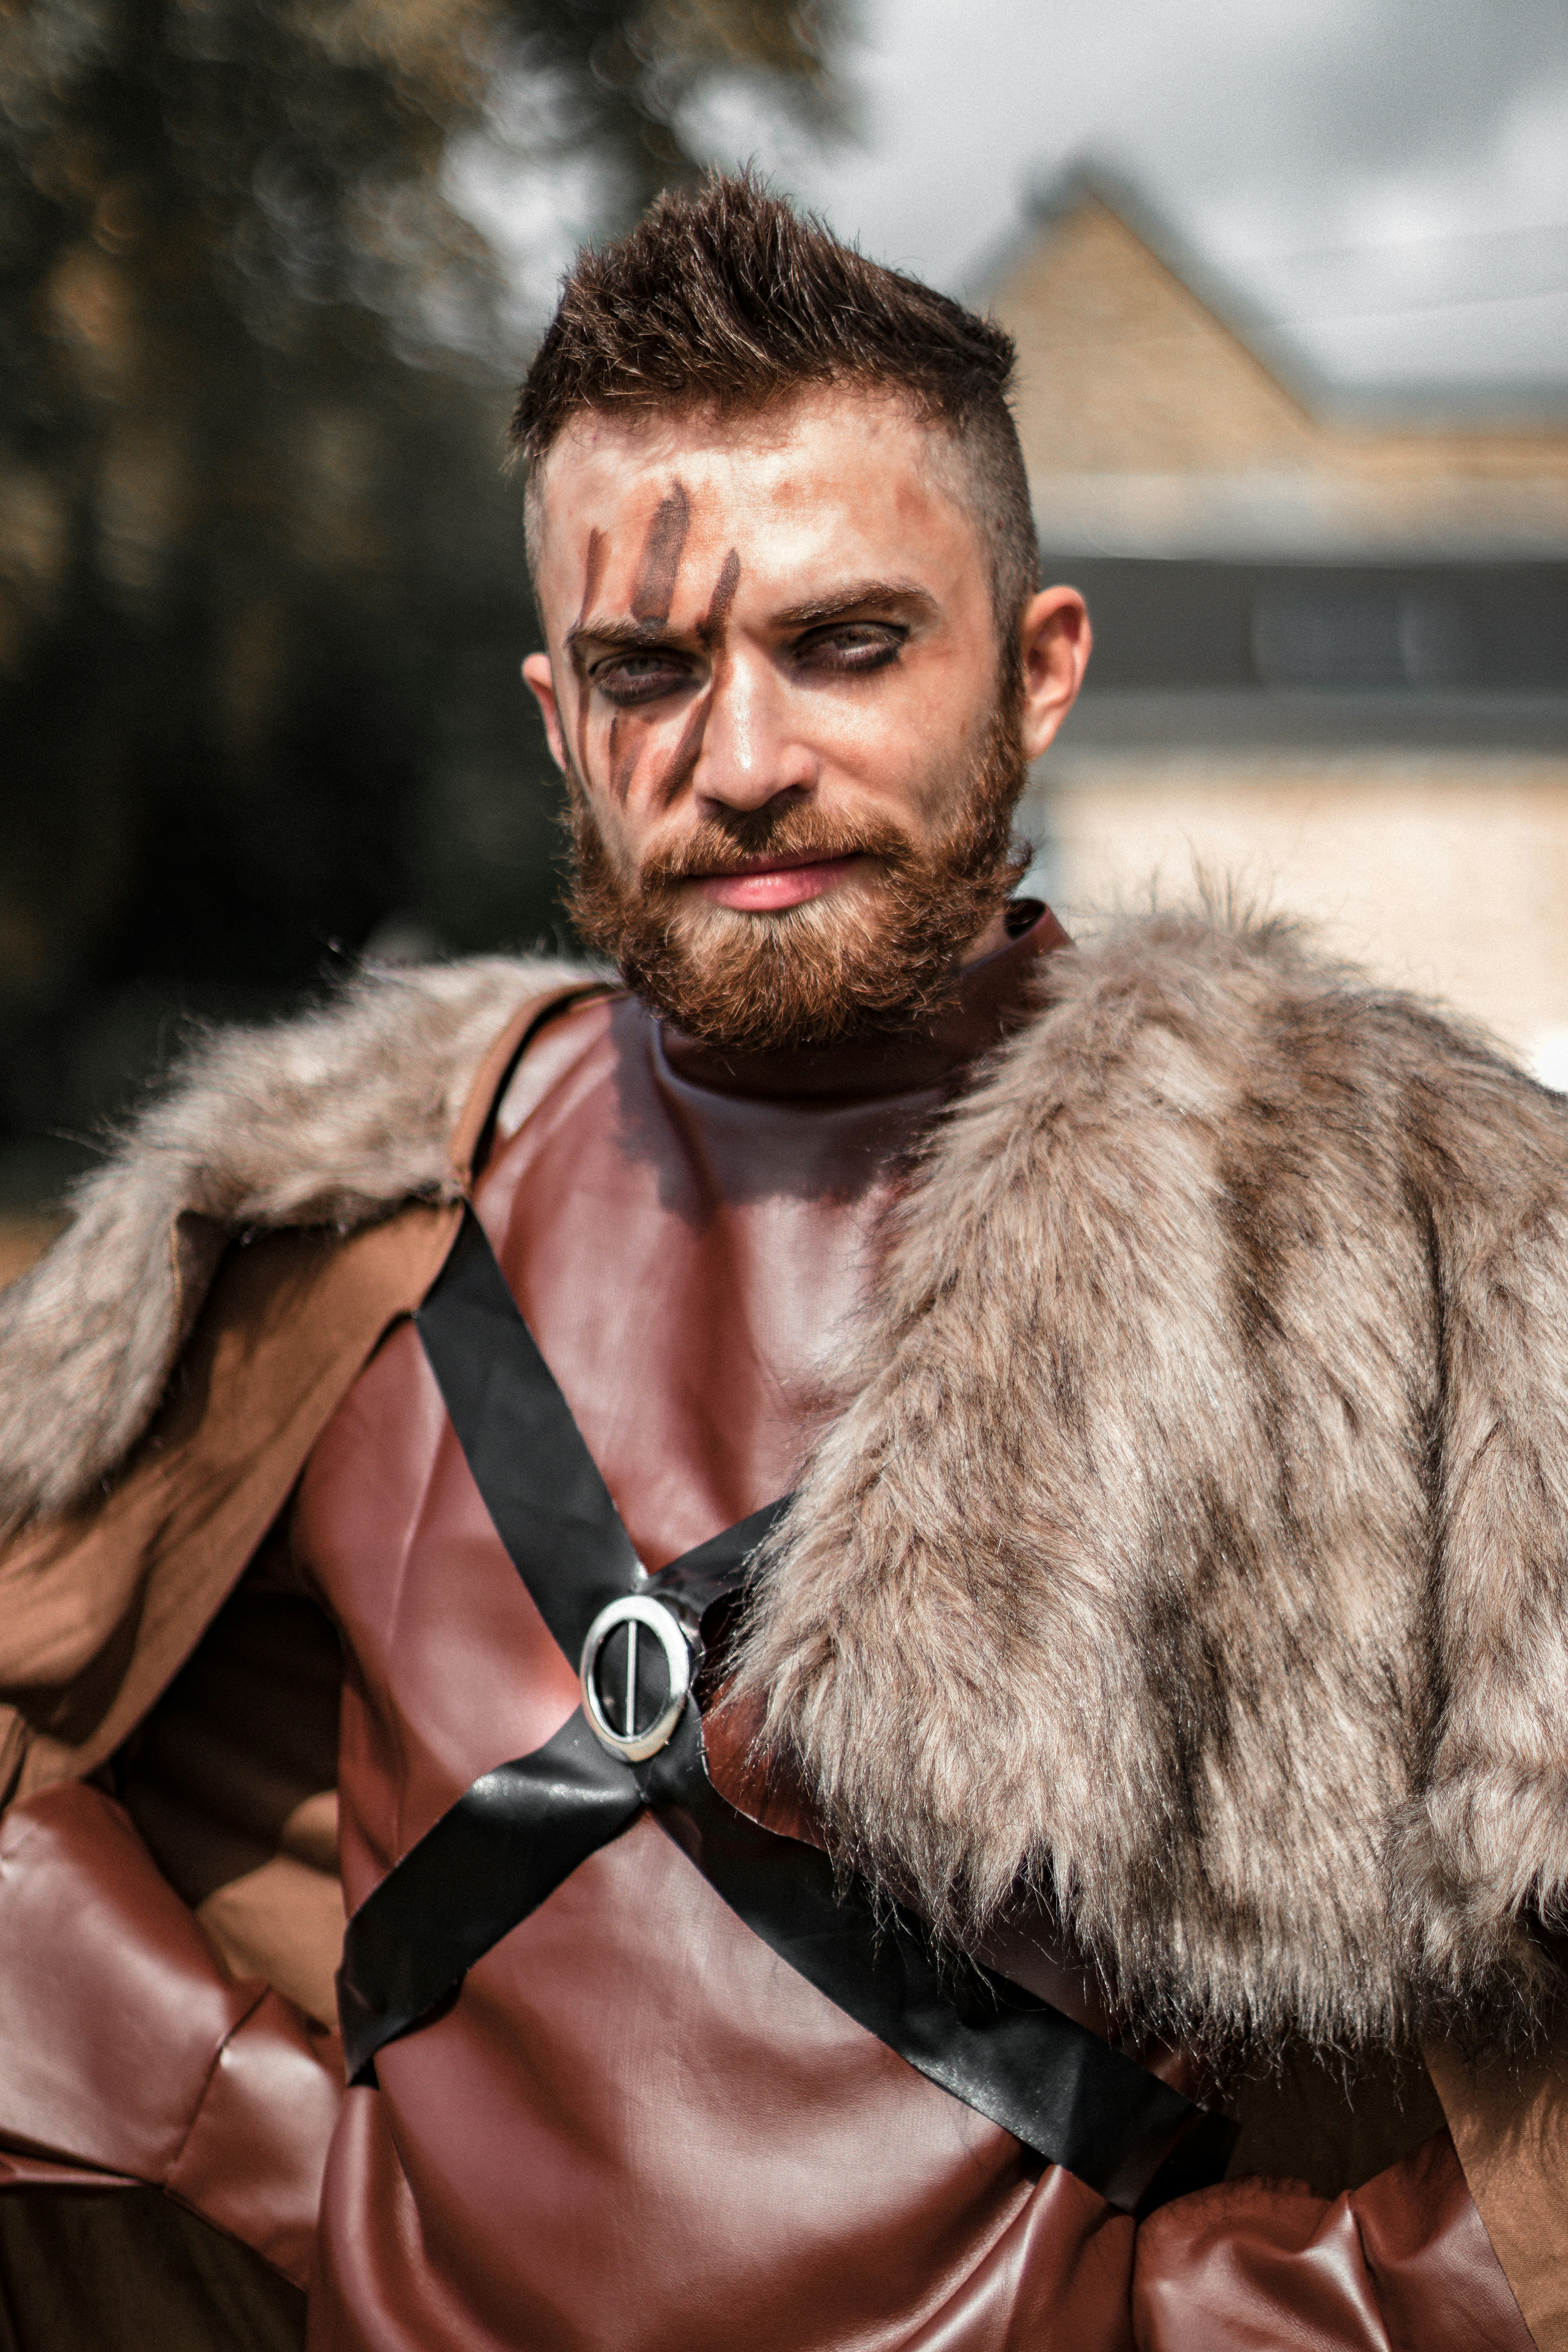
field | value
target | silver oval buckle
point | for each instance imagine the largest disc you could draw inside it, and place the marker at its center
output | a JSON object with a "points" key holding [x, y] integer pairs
{"points": [[623, 1714]]}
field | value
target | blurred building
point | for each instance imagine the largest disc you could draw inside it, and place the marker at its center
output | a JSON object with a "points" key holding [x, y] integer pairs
{"points": [[1331, 638]]}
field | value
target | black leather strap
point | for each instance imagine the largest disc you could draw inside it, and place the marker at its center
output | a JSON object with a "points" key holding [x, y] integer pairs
{"points": [[490, 1860], [541, 1485], [698, 1578], [510, 1839], [522, 1828], [1050, 2081]]}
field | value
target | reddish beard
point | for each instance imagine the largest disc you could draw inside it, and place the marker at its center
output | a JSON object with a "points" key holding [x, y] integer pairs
{"points": [[878, 954]]}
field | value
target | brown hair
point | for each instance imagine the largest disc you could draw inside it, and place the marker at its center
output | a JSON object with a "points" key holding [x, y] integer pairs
{"points": [[723, 297]]}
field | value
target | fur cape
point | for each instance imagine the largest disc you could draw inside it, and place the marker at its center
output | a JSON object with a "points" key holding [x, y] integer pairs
{"points": [[1191, 1550]]}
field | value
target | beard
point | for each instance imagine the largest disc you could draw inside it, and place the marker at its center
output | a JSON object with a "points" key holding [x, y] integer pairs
{"points": [[878, 955]]}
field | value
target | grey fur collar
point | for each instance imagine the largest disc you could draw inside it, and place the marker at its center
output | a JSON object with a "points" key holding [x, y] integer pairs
{"points": [[331, 1119], [1193, 1545]]}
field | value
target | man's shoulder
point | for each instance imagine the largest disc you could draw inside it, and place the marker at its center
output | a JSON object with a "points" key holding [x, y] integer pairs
{"points": [[1209, 1402], [333, 1118]]}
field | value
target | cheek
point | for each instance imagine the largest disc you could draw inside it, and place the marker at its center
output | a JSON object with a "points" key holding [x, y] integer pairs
{"points": [[631, 754], [605, 739], [903, 747], [918, 769], [616, 835], [625, 756]]}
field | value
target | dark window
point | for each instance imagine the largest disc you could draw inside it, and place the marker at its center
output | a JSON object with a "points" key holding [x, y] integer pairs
{"points": [[1363, 641], [1417, 629]]}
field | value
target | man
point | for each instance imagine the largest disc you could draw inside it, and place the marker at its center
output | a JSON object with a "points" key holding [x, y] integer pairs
{"points": [[845, 1921]]}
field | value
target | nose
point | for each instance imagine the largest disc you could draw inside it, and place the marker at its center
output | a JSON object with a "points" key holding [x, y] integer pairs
{"points": [[751, 752]]}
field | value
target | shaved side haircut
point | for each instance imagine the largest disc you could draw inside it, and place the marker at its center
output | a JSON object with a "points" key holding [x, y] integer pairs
{"points": [[725, 299]]}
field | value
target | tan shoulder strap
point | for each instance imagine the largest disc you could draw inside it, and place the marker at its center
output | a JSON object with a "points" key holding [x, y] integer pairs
{"points": [[472, 1135]]}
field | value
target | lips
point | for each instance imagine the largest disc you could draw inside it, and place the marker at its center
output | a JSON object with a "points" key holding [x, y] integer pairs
{"points": [[766, 888]]}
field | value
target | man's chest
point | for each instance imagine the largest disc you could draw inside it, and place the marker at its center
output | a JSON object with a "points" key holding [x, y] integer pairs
{"points": [[682, 1288]]}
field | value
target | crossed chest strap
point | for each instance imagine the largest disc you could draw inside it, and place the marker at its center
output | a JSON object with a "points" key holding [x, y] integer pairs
{"points": [[636, 1745]]}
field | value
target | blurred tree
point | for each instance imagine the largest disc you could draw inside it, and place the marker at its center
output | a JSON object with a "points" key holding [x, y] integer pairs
{"points": [[261, 595]]}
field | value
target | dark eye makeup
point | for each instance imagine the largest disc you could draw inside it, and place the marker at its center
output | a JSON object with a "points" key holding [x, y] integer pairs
{"points": [[841, 648], [626, 680], [851, 645]]}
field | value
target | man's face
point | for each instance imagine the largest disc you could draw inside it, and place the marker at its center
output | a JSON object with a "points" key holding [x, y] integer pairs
{"points": [[774, 683]]}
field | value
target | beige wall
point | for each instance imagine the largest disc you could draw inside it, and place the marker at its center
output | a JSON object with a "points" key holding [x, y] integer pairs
{"points": [[1445, 872]]}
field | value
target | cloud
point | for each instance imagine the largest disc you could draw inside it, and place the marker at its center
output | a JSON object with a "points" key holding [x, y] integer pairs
{"points": [[1316, 123]]}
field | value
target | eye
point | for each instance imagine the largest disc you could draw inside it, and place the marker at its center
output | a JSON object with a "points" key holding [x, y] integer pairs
{"points": [[850, 646], [626, 678]]}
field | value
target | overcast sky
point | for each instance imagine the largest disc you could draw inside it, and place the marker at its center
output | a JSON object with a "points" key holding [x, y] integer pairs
{"points": [[1388, 176]]}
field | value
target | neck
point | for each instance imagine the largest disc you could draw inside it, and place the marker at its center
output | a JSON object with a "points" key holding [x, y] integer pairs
{"points": [[991, 996]]}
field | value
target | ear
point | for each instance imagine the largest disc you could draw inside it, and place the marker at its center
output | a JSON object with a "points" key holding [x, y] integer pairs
{"points": [[1055, 639], [541, 679]]}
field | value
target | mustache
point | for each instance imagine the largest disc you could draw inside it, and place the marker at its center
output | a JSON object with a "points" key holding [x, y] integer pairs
{"points": [[879, 959], [799, 833]]}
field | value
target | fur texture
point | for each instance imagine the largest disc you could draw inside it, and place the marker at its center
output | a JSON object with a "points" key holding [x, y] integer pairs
{"points": [[331, 1119], [1192, 1547], [1191, 1550]]}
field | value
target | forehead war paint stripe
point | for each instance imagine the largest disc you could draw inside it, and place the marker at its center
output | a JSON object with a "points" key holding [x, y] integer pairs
{"points": [[712, 622], [660, 564], [598, 548]]}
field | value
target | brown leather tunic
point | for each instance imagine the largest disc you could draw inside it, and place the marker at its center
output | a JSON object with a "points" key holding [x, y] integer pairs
{"points": [[635, 2129]]}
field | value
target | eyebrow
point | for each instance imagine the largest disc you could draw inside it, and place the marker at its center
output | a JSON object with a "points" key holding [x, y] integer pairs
{"points": [[619, 633], [857, 597]]}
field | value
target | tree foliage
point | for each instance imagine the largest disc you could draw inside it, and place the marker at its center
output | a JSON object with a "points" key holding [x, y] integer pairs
{"points": [[261, 595]]}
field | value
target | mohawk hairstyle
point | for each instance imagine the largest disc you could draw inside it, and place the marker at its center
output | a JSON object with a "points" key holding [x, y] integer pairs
{"points": [[724, 298]]}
